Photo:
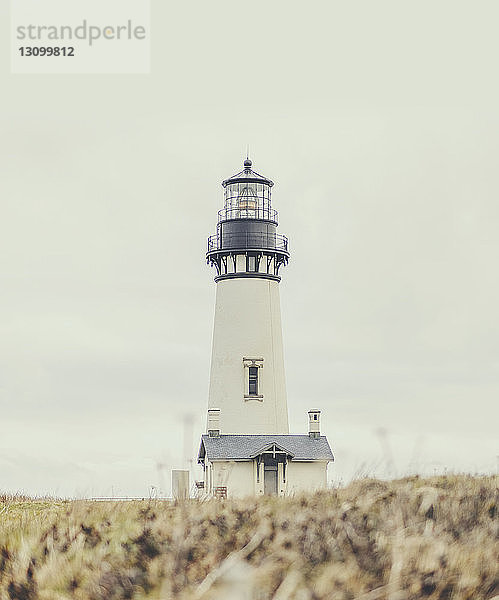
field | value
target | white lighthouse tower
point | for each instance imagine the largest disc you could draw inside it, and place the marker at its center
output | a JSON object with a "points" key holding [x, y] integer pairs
{"points": [[247, 424], [247, 382]]}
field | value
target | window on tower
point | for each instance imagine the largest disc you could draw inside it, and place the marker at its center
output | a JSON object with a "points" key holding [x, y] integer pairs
{"points": [[253, 381]]}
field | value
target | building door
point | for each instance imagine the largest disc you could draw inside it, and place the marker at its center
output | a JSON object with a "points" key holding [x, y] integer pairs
{"points": [[270, 479]]}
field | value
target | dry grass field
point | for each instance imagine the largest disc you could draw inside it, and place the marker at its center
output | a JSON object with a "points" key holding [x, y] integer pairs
{"points": [[401, 540]]}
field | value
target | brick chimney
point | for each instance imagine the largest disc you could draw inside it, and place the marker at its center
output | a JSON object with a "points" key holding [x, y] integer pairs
{"points": [[314, 423], [214, 422]]}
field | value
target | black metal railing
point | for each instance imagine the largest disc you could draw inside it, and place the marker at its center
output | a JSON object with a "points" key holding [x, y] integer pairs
{"points": [[228, 214], [248, 241]]}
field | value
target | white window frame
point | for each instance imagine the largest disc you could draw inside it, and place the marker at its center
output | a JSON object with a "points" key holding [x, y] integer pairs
{"points": [[258, 363]]}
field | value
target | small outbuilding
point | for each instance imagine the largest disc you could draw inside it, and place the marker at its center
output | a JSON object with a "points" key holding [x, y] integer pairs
{"points": [[253, 465]]}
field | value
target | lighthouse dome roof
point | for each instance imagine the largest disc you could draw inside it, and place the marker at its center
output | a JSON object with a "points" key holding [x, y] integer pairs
{"points": [[248, 175]]}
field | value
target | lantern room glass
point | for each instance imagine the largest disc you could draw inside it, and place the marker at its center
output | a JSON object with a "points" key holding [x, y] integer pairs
{"points": [[247, 200]]}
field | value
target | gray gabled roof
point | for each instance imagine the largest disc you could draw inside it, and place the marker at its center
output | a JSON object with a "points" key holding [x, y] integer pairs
{"points": [[246, 447]]}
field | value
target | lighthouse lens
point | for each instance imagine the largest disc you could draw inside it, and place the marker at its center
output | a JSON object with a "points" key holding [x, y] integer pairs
{"points": [[248, 200]]}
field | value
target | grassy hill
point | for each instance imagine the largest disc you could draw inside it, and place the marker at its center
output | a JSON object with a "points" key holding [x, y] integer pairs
{"points": [[402, 540]]}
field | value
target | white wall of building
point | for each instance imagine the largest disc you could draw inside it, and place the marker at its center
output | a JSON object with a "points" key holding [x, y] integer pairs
{"points": [[306, 476], [248, 325], [180, 484], [239, 477]]}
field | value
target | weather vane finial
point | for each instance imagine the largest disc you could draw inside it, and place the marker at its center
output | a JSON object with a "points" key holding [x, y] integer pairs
{"points": [[247, 162]]}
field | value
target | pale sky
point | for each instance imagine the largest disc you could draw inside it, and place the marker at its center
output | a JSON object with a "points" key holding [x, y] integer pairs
{"points": [[379, 123]]}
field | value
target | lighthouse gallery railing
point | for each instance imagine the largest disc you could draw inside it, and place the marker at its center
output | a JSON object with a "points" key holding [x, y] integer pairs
{"points": [[230, 213], [248, 241]]}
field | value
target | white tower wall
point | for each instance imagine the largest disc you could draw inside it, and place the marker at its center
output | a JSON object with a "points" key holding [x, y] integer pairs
{"points": [[248, 327]]}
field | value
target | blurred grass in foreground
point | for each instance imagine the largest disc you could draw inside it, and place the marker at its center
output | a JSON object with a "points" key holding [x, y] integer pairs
{"points": [[407, 539]]}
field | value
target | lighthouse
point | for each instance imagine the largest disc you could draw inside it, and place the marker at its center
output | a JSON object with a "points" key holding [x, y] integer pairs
{"points": [[247, 382], [247, 448]]}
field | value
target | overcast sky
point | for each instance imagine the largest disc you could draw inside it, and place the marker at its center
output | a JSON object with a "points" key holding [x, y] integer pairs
{"points": [[379, 123]]}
